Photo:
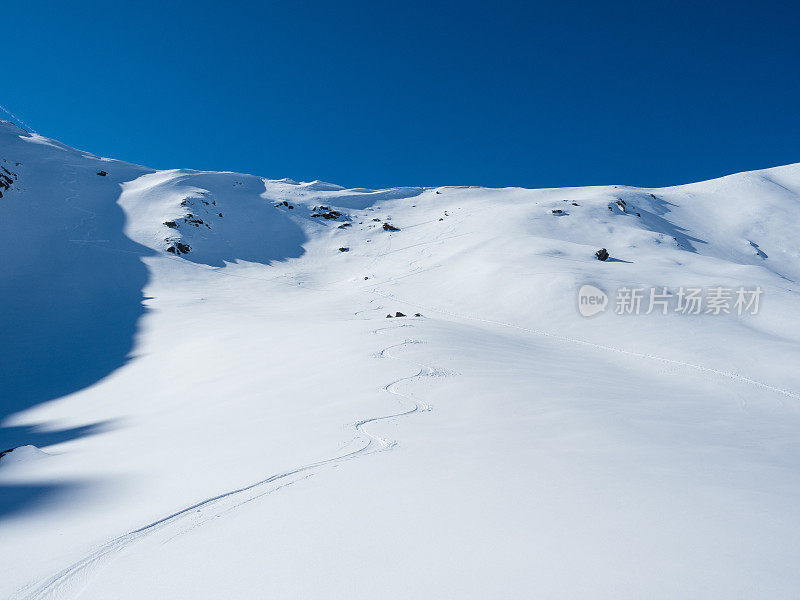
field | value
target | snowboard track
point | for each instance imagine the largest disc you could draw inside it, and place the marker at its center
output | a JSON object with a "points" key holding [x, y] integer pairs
{"points": [[72, 580]]}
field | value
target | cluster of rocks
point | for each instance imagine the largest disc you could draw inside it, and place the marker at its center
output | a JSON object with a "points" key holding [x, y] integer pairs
{"points": [[558, 211], [179, 248], [399, 314], [388, 227], [285, 204], [190, 218], [602, 254], [102, 173], [7, 179], [201, 199], [622, 205], [326, 213], [202, 203]]}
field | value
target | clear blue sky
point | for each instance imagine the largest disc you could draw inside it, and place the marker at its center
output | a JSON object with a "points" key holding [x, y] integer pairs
{"points": [[415, 93]]}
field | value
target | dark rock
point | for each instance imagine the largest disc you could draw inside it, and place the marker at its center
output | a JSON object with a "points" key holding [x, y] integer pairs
{"points": [[102, 173], [399, 314], [575, 204], [344, 249], [171, 224], [558, 212], [220, 214], [388, 316], [179, 248], [388, 227], [417, 315], [4, 452], [601, 254]]}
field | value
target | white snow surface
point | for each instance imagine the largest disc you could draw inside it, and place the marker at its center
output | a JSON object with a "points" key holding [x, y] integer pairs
{"points": [[243, 421]]}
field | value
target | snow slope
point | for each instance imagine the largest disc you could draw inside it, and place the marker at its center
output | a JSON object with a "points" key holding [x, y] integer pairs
{"points": [[242, 420]]}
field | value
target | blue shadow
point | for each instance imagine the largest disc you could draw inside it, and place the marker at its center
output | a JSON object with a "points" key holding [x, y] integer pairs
{"points": [[72, 292]]}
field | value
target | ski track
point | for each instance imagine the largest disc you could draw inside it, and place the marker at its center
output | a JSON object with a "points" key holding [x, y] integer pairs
{"points": [[71, 581], [652, 357], [563, 338], [87, 223]]}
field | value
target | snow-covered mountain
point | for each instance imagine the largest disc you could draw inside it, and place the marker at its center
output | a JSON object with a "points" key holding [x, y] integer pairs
{"points": [[205, 397]]}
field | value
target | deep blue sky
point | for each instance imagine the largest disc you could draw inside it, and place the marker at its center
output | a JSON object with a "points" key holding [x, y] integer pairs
{"points": [[414, 93]]}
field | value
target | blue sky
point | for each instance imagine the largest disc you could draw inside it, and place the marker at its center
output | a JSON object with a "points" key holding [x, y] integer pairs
{"points": [[415, 93]]}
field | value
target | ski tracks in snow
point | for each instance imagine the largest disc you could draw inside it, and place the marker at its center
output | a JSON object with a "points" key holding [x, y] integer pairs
{"points": [[72, 580], [562, 338]]}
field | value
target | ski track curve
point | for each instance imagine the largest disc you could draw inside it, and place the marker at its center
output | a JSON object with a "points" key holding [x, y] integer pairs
{"points": [[72, 580], [562, 338]]}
